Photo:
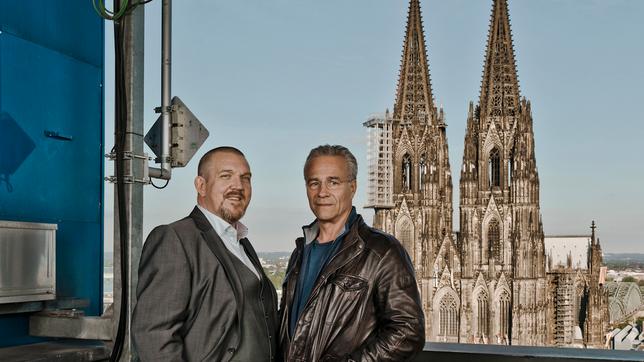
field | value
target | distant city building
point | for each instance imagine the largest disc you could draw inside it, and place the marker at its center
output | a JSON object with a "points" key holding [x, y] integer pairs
{"points": [[493, 281]]}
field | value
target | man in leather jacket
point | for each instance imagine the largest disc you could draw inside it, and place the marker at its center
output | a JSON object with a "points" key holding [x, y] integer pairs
{"points": [[349, 293]]}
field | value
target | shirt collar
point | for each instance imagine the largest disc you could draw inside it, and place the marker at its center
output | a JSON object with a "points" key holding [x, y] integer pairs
{"points": [[312, 230], [222, 227]]}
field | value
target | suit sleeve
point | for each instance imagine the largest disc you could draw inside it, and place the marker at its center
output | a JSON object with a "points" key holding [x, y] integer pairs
{"points": [[401, 322], [163, 295]]}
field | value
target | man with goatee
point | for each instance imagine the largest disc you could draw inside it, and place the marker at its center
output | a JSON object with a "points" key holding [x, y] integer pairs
{"points": [[202, 293]]}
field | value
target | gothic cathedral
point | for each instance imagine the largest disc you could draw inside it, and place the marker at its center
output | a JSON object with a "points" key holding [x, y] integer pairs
{"points": [[488, 283]]}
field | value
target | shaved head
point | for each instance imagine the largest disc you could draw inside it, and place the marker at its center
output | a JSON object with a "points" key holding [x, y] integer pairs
{"points": [[208, 156]]}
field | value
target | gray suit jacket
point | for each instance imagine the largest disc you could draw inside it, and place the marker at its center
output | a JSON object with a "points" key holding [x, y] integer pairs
{"points": [[189, 294]]}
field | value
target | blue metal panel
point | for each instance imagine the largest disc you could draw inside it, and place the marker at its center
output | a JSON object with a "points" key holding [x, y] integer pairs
{"points": [[68, 27], [51, 139], [45, 91], [14, 330], [79, 269]]}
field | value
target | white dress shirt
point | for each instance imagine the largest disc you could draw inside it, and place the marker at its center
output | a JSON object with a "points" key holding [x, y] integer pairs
{"points": [[230, 235]]}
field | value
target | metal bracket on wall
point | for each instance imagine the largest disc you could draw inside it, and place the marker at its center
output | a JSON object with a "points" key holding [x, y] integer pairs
{"points": [[142, 163], [170, 108], [58, 136]]}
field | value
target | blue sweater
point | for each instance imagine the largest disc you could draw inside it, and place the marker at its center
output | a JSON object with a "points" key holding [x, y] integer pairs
{"points": [[314, 258]]}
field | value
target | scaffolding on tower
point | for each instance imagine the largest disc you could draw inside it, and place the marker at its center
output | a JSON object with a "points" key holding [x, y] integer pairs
{"points": [[379, 161]]}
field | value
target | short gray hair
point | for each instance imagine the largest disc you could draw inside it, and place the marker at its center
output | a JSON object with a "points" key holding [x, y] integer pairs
{"points": [[334, 150]]}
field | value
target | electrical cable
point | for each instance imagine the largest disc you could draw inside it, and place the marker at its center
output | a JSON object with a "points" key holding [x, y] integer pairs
{"points": [[121, 8], [115, 15], [118, 12], [120, 123], [159, 187]]}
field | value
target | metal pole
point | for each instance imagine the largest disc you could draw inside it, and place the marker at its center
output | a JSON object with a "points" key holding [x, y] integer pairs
{"points": [[134, 70], [166, 78], [165, 171]]}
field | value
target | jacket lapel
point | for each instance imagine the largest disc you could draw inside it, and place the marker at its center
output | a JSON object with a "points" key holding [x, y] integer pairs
{"points": [[252, 255], [216, 245]]}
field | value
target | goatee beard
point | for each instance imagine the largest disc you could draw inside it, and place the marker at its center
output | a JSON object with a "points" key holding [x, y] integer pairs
{"points": [[230, 216]]}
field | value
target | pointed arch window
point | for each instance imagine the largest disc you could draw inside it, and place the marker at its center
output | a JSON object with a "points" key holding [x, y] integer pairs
{"points": [[433, 167], [482, 309], [504, 314], [579, 307], [422, 168], [494, 241], [406, 173], [471, 152], [448, 316], [494, 168], [405, 235]]}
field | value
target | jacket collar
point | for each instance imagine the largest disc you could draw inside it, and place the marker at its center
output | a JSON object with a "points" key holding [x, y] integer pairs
{"points": [[221, 226], [312, 230], [350, 245]]}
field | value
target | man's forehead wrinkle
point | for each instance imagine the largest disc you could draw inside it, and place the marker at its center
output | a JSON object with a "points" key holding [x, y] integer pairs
{"points": [[229, 169], [317, 178]]}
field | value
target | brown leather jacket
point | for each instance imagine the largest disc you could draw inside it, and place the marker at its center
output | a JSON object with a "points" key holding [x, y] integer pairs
{"points": [[364, 306]]}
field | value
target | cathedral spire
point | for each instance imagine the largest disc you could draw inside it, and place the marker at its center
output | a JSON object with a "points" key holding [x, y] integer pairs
{"points": [[414, 99], [592, 236], [470, 156], [500, 85]]}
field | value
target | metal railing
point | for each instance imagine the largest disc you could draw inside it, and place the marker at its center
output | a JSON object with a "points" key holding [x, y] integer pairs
{"points": [[456, 352]]}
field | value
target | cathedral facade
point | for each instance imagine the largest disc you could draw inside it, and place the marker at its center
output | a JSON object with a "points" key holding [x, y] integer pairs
{"points": [[488, 282]]}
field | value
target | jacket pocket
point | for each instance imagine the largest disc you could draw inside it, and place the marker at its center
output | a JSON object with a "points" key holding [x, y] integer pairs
{"points": [[331, 358], [350, 283]]}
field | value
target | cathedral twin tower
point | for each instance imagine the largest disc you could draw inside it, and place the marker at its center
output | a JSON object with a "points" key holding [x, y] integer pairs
{"points": [[487, 283]]}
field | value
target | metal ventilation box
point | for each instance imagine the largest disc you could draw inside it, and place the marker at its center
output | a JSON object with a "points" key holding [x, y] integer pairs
{"points": [[27, 261]]}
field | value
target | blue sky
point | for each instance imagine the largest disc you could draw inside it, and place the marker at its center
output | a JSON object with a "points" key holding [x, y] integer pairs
{"points": [[276, 78]]}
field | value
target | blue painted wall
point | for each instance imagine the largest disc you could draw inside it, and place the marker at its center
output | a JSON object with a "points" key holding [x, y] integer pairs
{"points": [[51, 80]]}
